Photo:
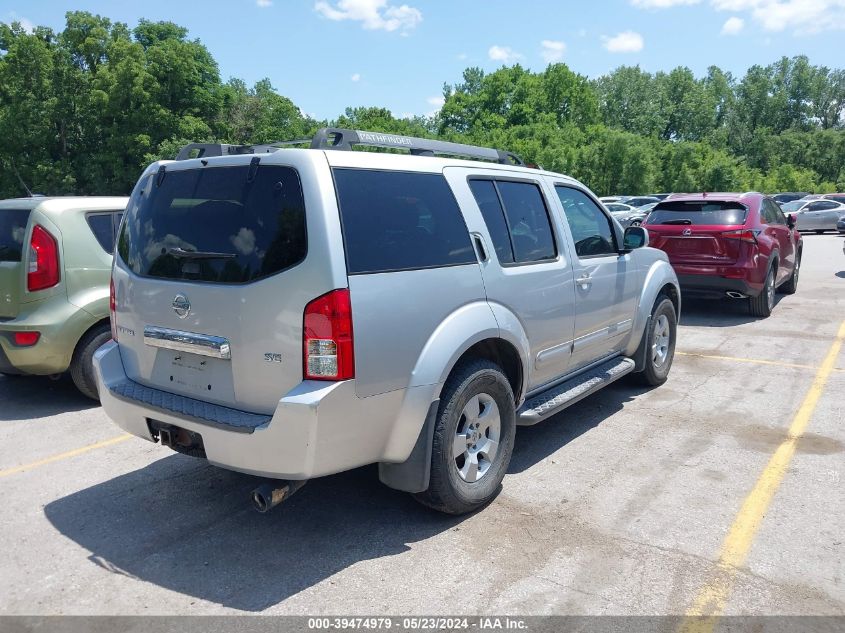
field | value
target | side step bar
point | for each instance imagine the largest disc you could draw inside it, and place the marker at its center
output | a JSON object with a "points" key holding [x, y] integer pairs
{"points": [[559, 397]]}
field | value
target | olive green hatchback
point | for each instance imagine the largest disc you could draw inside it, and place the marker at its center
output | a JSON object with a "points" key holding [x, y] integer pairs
{"points": [[55, 264]]}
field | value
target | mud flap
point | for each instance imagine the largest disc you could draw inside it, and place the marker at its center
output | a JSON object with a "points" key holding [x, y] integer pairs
{"points": [[413, 474], [641, 354]]}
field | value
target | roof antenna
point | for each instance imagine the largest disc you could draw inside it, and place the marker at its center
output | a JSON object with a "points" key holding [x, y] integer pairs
{"points": [[20, 180]]}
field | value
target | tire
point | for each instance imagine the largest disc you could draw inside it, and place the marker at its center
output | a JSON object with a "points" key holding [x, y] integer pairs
{"points": [[819, 231], [791, 285], [762, 304], [82, 364], [660, 343], [467, 481]]}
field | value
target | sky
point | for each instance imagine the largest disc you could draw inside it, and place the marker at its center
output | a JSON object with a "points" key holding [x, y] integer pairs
{"points": [[327, 55]]}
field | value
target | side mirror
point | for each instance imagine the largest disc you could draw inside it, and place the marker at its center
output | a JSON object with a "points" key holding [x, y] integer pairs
{"points": [[635, 237], [790, 221]]}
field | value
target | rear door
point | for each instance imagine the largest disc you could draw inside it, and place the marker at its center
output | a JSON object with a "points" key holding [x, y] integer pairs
{"points": [[820, 215], [607, 283], [13, 224], [781, 235], [222, 254], [526, 268]]}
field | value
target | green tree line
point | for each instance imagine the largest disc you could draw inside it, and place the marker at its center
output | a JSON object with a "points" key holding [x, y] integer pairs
{"points": [[83, 110]]}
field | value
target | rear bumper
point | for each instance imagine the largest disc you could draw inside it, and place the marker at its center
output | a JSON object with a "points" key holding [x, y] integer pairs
{"points": [[60, 324], [318, 428], [712, 282]]}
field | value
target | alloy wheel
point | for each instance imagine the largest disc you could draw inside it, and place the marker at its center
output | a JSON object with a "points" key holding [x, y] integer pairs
{"points": [[476, 440], [660, 345]]}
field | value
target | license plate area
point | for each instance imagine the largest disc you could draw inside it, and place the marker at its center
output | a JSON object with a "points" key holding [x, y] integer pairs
{"points": [[195, 376]]}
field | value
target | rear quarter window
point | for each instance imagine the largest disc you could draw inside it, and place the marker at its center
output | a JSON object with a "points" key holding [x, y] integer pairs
{"points": [[215, 224], [695, 212], [400, 221], [12, 231]]}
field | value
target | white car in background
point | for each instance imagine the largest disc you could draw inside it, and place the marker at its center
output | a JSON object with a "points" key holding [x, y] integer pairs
{"points": [[625, 214]]}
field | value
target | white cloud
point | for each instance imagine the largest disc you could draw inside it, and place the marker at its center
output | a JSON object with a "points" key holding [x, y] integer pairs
{"points": [[26, 24], [624, 42], [436, 101], [733, 26], [356, 77], [800, 16], [264, 3], [553, 50], [503, 54], [372, 14], [661, 4]]}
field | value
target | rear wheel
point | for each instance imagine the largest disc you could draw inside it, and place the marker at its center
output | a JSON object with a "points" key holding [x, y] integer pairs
{"points": [[82, 365], [473, 439], [819, 231], [660, 343], [763, 303], [791, 285]]}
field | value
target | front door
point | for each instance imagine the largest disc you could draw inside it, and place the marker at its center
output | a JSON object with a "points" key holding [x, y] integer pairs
{"points": [[606, 282]]}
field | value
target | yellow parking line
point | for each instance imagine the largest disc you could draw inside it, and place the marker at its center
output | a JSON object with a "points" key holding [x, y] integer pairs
{"points": [[711, 600], [61, 456], [757, 361]]}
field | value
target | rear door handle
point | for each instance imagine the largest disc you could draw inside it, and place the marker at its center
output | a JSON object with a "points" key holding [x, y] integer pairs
{"points": [[479, 247]]}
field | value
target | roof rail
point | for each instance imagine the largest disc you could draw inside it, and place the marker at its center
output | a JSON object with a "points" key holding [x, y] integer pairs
{"points": [[343, 139]]}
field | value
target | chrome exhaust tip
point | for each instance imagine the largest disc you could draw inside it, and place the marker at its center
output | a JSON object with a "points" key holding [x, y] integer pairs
{"points": [[735, 295]]}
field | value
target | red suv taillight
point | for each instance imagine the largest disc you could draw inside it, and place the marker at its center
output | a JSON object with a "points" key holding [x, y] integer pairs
{"points": [[327, 338], [112, 310], [43, 269], [744, 235]]}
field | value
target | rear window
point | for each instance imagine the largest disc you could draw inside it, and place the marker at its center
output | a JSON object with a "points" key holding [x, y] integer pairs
{"points": [[400, 221], [216, 224], [12, 231], [698, 212]]}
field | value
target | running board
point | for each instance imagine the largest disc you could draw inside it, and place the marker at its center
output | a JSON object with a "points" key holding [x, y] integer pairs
{"points": [[559, 397]]}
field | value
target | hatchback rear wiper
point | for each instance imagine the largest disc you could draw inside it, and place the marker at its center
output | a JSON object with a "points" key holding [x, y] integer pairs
{"points": [[183, 254], [681, 221]]}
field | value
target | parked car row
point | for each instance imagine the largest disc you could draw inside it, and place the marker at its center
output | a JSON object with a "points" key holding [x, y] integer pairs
{"points": [[292, 313]]}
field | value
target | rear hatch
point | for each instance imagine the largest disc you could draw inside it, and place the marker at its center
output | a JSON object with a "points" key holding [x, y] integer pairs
{"points": [[215, 256], [705, 232], [12, 233]]}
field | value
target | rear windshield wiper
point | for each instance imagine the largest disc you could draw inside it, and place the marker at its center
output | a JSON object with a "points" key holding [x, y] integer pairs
{"points": [[681, 221], [183, 254]]}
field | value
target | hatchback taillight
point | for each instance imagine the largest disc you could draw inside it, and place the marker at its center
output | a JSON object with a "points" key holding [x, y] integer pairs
{"points": [[744, 235], [327, 338], [112, 310], [43, 271]]}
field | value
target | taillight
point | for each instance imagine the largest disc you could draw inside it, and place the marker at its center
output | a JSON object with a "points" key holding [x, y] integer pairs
{"points": [[744, 235], [112, 310], [43, 260], [26, 339], [327, 338]]}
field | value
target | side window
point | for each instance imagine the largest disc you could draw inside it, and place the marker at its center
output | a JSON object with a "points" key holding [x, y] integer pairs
{"points": [[591, 229], [777, 216], [528, 221], [103, 229], [494, 217], [400, 221]]}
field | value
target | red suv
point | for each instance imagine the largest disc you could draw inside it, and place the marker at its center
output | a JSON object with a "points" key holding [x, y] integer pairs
{"points": [[738, 245]]}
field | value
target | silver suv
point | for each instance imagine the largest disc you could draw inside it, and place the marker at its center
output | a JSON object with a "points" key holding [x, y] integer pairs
{"points": [[292, 313]]}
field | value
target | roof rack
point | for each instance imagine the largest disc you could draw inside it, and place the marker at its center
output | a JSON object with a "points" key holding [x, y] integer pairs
{"points": [[343, 139]]}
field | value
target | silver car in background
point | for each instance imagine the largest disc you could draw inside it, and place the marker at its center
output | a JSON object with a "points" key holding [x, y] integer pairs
{"points": [[816, 214]]}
